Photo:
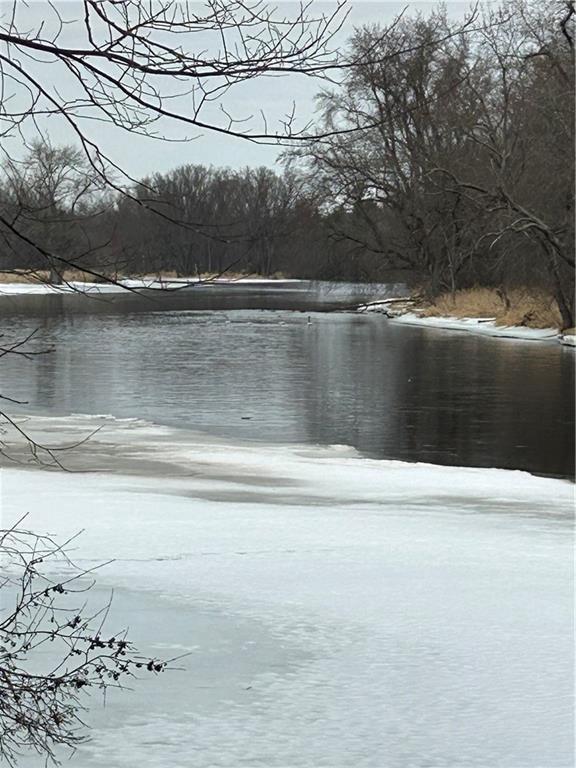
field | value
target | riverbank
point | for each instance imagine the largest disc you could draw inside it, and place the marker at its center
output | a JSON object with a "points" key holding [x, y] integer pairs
{"points": [[81, 279], [75, 283], [519, 314]]}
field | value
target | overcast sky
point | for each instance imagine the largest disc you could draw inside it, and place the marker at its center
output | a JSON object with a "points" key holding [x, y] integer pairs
{"points": [[140, 156]]}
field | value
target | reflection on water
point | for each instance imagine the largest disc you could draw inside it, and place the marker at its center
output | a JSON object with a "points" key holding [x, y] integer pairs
{"points": [[391, 391], [300, 295]]}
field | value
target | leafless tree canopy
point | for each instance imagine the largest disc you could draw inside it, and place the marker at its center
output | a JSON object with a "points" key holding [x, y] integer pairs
{"points": [[455, 159], [444, 150], [132, 63], [146, 68]]}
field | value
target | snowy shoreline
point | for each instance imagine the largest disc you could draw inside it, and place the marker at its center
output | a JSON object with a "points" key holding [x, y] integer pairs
{"points": [[484, 326], [133, 284]]}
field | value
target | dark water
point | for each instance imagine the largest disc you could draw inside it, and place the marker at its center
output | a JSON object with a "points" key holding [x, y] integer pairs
{"points": [[331, 378], [281, 294]]}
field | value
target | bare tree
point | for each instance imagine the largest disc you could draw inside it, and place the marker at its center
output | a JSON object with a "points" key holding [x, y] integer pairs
{"points": [[50, 196], [453, 159], [126, 58], [524, 132], [392, 120], [53, 648]]}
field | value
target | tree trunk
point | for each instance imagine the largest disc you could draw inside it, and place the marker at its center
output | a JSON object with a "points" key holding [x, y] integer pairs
{"points": [[564, 299]]}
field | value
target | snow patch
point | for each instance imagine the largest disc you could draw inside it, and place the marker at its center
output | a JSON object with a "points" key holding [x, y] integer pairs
{"points": [[568, 339], [484, 326]]}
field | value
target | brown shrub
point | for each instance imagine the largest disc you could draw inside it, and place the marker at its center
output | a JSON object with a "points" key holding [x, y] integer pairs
{"points": [[520, 307], [43, 276]]}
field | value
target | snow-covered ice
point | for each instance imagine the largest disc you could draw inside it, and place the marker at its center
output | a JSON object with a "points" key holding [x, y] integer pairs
{"points": [[339, 611], [484, 326]]}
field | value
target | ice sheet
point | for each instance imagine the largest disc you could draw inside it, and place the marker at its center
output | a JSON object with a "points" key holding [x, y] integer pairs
{"points": [[340, 611]]}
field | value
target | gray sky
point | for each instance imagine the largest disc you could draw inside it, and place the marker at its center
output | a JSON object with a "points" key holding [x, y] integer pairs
{"points": [[140, 156]]}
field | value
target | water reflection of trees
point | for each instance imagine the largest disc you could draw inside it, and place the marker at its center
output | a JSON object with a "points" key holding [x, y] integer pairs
{"points": [[416, 395], [388, 390]]}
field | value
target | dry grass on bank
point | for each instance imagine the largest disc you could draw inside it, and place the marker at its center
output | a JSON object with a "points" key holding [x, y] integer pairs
{"points": [[22, 277], [519, 307], [43, 276], [209, 276]]}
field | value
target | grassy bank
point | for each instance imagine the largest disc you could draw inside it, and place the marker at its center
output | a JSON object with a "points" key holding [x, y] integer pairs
{"points": [[34, 276], [518, 307]]}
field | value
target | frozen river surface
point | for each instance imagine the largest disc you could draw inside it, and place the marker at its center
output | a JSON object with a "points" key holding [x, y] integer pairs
{"points": [[339, 611]]}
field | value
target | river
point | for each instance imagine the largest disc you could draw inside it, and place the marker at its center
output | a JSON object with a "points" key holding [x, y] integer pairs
{"points": [[305, 376], [269, 483]]}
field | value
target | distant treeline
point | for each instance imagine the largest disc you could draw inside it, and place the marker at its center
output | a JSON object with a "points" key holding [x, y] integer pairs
{"points": [[447, 157], [192, 220]]}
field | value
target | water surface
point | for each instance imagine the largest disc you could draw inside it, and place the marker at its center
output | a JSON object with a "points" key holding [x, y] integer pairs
{"points": [[282, 376]]}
